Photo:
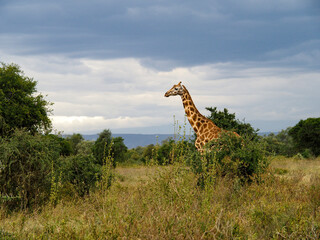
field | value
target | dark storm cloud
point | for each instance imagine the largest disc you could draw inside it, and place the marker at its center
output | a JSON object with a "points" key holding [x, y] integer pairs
{"points": [[184, 32]]}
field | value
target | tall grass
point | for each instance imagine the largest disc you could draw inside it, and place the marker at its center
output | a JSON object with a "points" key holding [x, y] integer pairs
{"points": [[155, 202]]}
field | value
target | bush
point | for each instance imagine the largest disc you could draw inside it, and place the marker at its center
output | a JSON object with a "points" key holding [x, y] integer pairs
{"points": [[65, 146], [231, 156], [279, 144], [135, 156], [84, 147], [148, 153], [80, 172], [165, 154], [104, 141], [306, 135], [25, 168], [74, 140]]}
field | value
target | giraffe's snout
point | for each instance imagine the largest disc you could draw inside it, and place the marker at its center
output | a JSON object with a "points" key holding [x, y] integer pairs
{"points": [[167, 94]]}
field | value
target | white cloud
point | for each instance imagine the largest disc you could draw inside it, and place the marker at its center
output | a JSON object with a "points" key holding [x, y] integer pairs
{"points": [[90, 125], [91, 95]]}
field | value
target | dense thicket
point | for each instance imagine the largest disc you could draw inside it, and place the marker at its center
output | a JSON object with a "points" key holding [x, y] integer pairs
{"points": [[26, 168]]}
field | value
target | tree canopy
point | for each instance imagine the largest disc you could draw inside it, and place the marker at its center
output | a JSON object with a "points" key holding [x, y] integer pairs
{"points": [[104, 143], [306, 135], [227, 121], [20, 105]]}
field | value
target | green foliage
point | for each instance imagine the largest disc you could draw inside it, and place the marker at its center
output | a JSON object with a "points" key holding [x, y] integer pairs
{"points": [[119, 150], [135, 156], [65, 146], [79, 171], [279, 144], [148, 153], [100, 146], [84, 147], [104, 140], [227, 121], [306, 135], [243, 155], [6, 236], [74, 140], [165, 154], [107, 175], [20, 107], [231, 156], [25, 168], [171, 151]]}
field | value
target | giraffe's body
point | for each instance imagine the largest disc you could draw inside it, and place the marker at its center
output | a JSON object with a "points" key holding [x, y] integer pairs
{"points": [[204, 128]]}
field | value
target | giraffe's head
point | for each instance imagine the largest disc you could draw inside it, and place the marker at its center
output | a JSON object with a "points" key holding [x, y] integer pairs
{"points": [[177, 89]]}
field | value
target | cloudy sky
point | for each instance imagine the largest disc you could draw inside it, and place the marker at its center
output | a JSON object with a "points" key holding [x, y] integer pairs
{"points": [[106, 64]]}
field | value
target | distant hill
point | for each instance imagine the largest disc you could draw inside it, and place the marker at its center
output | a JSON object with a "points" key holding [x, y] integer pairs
{"points": [[135, 140]]}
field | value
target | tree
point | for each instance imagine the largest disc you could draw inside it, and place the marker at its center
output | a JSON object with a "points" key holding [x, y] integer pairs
{"points": [[119, 149], [306, 135], [20, 105], [104, 143], [100, 147], [227, 121], [74, 140], [148, 153]]}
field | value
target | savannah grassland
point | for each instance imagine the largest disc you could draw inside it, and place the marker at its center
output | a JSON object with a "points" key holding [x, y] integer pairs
{"points": [[154, 202]]}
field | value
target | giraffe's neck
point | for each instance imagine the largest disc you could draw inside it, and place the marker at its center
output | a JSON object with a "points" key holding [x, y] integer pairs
{"points": [[193, 115]]}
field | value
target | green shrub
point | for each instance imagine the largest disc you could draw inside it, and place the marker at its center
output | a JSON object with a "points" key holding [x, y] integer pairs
{"points": [[279, 144], [135, 156], [165, 154], [307, 153], [74, 140], [306, 135], [80, 171], [65, 146], [103, 142], [84, 147], [25, 168], [148, 153], [231, 156]]}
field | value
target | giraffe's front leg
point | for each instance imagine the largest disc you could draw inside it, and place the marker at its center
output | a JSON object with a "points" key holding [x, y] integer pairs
{"points": [[198, 145]]}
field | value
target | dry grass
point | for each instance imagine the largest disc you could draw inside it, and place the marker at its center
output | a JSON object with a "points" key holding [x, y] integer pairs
{"points": [[292, 167], [165, 203]]}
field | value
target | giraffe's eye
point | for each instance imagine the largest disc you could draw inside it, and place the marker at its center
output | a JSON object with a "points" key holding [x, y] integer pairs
{"points": [[176, 89]]}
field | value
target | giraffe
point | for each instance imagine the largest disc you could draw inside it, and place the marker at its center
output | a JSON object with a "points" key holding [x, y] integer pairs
{"points": [[204, 128]]}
